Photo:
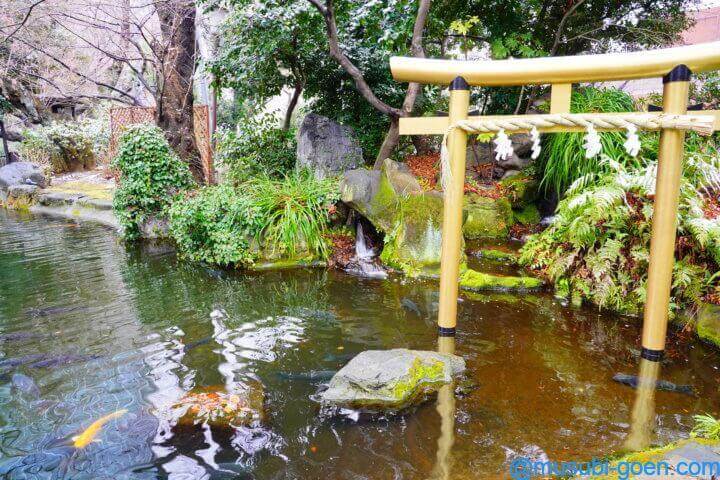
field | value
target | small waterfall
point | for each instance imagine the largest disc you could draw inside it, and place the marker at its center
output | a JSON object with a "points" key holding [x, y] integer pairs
{"points": [[365, 257], [362, 251]]}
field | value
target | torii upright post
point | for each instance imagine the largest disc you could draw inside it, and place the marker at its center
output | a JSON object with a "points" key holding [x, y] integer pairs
{"points": [[453, 210], [676, 86]]}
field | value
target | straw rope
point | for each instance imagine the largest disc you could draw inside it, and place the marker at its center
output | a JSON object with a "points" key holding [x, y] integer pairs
{"points": [[702, 124]]}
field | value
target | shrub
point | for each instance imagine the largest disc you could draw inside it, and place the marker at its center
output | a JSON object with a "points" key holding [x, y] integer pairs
{"points": [[215, 225], [65, 146], [257, 147], [266, 218], [151, 175], [562, 159], [597, 247]]}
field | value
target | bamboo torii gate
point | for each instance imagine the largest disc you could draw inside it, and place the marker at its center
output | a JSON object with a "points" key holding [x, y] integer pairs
{"points": [[674, 65]]}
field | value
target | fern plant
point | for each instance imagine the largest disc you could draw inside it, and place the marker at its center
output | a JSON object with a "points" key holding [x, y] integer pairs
{"points": [[706, 426], [597, 247]]}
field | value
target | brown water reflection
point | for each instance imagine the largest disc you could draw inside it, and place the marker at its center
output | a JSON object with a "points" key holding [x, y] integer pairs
{"points": [[543, 371]]}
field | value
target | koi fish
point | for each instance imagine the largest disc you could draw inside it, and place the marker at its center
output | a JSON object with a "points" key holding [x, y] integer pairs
{"points": [[89, 434]]}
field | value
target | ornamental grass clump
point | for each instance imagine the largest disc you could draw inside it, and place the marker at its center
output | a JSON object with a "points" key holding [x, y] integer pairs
{"points": [[598, 245], [563, 156], [264, 218], [294, 212], [151, 176]]}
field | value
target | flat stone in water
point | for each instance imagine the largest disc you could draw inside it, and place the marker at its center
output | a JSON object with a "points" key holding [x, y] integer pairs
{"points": [[391, 380]]}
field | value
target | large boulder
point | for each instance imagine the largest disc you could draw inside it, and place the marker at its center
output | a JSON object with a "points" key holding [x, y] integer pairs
{"points": [[22, 173], [479, 153], [326, 147], [487, 217], [395, 203], [391, 380]]}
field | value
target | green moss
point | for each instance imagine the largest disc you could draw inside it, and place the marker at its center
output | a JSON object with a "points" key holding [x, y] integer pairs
{"points": [[528, 215], [497, 255], [708, 324], [472, 280], [287, 264], [653, 454], [521, 189], [487, 217], [562, 288], [422, 376]]}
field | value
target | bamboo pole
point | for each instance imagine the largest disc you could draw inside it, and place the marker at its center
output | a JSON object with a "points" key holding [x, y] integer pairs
{"points": [[453, 210], [676, 86]]}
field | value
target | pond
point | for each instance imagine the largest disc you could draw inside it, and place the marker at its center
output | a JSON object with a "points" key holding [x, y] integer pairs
{"points": [[130, 328]]}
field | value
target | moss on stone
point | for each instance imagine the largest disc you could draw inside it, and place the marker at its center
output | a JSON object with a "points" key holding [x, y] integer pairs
{"points": [[708, 324], [497, 255], [423, 376], [487, 217], [522, 189], [475, 281], [528, 215], [100, 191], [651, 454]]}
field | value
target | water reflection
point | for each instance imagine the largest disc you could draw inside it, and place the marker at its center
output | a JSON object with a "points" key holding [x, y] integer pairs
{"points": [[544, 372], [446, 408], [642, 420]]}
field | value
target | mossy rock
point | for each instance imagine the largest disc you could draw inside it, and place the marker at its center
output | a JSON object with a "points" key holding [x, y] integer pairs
{"points": [[708, 323], [390, 380], [521, 189], [414, 243], [487, 217], [687, 450], [395, 203], [497, 255], [527, 215], [219, 408], [477, 281]]}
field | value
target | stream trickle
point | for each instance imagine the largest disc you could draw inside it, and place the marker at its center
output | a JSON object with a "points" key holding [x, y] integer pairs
{"points": [[143, 329]]}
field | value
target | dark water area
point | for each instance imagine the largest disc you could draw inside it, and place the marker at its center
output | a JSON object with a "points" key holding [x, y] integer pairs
{"points": [[111, 323]]}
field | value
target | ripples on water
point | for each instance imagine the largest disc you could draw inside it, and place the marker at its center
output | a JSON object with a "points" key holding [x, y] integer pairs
{"points": [[139, 326]]}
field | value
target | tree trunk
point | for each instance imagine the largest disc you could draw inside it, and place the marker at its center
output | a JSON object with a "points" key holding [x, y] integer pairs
{"points": [[423, 145], [291, 106], [392, 138], [174, 111], [6, 150]]}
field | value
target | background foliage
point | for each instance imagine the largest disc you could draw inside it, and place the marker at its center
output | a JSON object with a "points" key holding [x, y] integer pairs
{"points": [[256, 147]]}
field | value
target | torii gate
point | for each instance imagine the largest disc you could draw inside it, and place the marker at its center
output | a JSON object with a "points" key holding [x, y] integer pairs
{"points": [[675, 65]]}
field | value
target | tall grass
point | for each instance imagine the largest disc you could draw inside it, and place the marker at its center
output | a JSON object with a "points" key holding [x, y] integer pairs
{"points": [[562, 160], [294, 211]]}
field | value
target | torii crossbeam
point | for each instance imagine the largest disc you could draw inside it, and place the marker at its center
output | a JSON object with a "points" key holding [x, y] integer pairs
{"points": [[675, 65]]}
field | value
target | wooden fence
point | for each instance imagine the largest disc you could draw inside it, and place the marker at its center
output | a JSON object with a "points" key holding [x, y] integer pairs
{"points": [[120, 117]]}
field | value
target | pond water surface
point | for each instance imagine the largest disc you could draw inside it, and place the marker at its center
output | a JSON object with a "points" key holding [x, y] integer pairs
{"points": [[122, 314]]}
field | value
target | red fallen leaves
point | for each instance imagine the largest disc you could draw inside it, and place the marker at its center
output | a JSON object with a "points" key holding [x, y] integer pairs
{"points": [[712, 208], [425, 167], [343, 250]]}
